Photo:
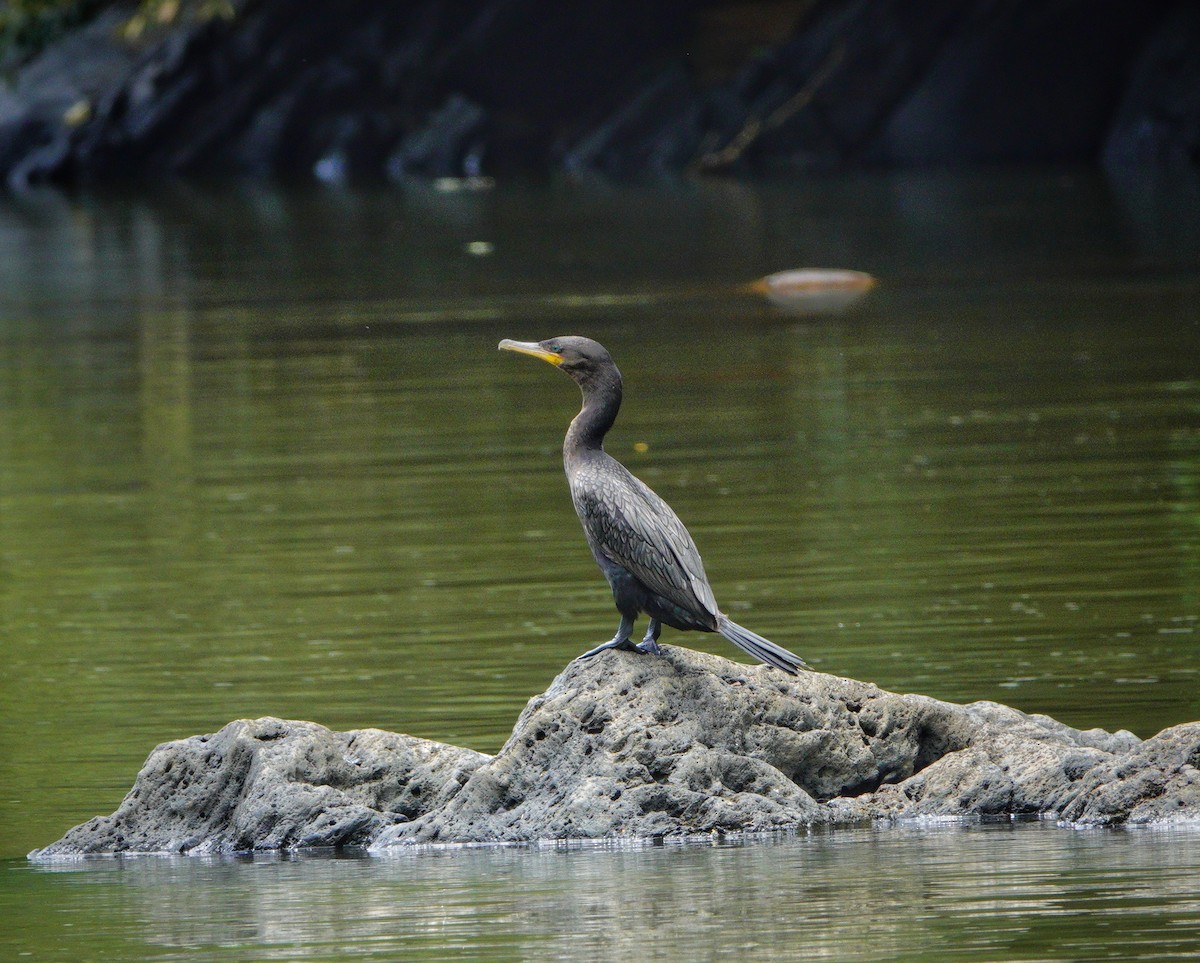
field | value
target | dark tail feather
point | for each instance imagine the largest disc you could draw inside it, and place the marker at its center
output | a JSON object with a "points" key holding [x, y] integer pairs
{"points": [[762, 649]]}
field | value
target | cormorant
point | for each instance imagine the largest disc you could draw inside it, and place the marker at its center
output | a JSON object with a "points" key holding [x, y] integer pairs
{"points": [[639, 543]]}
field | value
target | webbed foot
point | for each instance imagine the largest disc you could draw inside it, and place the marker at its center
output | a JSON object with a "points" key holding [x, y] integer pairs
{"points": [[617, 643]]}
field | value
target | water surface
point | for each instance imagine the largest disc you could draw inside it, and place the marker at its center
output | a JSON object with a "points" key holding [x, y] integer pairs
{"points": [[259, 455], [1024, 892]]}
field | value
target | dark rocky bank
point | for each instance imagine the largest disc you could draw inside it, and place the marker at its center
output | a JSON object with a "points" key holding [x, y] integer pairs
{"points": [[628, 747], [376, 90]]}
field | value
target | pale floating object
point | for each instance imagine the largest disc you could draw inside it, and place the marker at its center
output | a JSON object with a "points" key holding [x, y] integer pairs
{"points": [[814, 290], [457, 185]]}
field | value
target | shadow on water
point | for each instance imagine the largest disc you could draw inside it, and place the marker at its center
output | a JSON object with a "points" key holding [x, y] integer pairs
{"points": [[259, 455]]}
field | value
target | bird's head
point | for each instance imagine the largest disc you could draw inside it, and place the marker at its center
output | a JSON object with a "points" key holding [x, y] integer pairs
{"points": [[583, 359]]}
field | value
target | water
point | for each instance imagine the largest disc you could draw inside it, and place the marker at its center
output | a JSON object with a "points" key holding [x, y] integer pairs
{"points": [[961, 893], [259, 455]]}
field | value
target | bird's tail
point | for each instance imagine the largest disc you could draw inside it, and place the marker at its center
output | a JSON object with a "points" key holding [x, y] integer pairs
{"points": [[762, 649]]}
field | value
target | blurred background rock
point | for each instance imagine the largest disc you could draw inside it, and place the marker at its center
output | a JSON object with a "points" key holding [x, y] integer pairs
{"points": [[96, 90]]}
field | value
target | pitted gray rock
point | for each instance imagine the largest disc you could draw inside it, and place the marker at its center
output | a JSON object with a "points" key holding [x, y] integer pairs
{"points": [[268, 784], [688, 743], [629, 746]]}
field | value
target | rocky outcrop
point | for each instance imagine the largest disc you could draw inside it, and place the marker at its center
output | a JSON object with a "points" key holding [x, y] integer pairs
{"points": [[274, 784], [630, 746], [364, 90], [357, 89], [1157, 126], [885, 83]]}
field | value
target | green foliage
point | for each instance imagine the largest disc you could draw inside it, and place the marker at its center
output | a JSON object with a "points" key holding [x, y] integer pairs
{"points": [[161, 13], [28, 26]]}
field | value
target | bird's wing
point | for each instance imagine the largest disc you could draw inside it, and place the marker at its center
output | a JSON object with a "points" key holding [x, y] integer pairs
{"points": [[635, 528]]}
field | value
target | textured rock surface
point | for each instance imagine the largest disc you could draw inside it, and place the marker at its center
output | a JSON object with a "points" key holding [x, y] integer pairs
{"points": [[1157, 781], [273, 784], [689, 743], [629, 746]]}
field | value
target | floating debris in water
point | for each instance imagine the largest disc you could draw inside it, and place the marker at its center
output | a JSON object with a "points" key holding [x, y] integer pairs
{"points": [[455, 185], [814, 290]]}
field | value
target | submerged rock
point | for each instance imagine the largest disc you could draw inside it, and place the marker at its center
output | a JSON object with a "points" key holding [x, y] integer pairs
{"points": [[628, 746]]}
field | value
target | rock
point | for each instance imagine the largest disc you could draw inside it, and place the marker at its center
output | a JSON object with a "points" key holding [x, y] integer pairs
{"points": [[332, 91], [688, 744], [1015, 765], [363, 90], [630, 746], [1015, 82], [41, 111], [451, 141], [1158, 122], [272, 784], [1156, 782], [884, 83], [658, 132]]}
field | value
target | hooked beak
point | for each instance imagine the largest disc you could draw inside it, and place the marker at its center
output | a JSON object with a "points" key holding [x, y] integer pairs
{"points": [[533, 348]]}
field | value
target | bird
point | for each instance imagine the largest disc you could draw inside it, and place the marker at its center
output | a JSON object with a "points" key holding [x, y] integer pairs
{"points": [[644, 550]]}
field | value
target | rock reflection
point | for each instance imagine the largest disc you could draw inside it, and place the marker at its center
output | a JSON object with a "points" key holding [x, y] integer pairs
{"points": [[954, 891]]}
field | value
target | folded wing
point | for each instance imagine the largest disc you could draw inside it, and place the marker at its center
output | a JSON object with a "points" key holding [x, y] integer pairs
{"points": [[635, 528]]}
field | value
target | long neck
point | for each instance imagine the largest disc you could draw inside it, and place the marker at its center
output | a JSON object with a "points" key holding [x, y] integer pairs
{"points": [[601, 402]]}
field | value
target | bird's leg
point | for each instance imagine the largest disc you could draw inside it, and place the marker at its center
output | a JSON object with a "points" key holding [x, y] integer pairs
{"points": [[618, 641], [650, 642]]}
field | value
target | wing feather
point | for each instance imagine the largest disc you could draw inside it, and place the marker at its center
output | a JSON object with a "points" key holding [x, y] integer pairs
{"points": [[632, 526]]}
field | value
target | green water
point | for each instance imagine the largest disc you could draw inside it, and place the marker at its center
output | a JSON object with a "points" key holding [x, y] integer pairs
{"points": [[259, 455], [980, 893]]}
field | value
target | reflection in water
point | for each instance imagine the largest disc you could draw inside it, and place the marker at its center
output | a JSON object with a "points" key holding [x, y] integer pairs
{"points": [[955, 892], [258, 456]]}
